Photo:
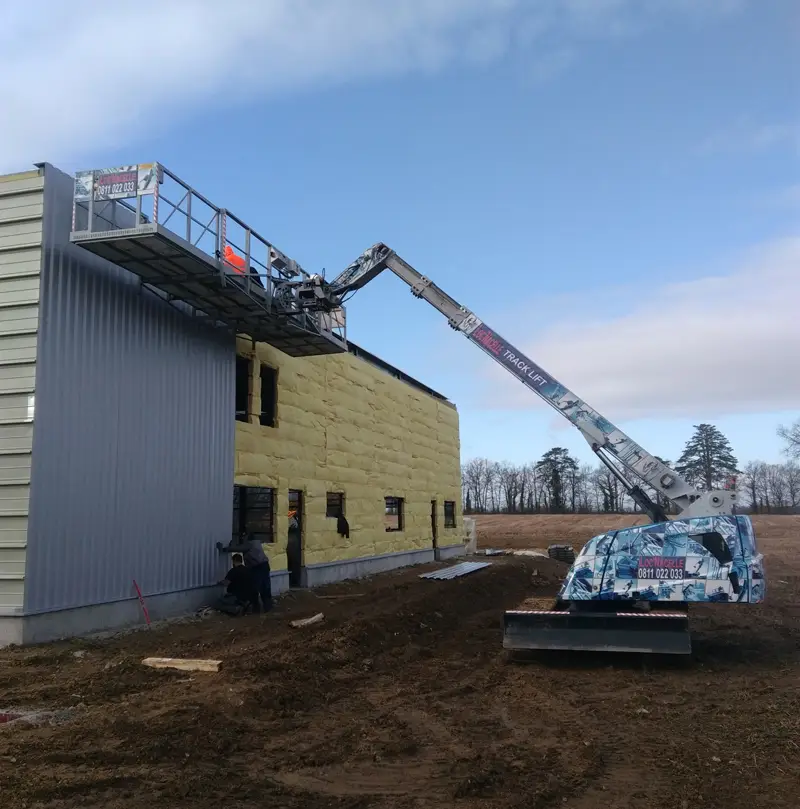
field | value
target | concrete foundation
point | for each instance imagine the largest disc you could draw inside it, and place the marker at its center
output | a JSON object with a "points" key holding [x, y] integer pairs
{"points": [[331, 572], [10, 631], [280, 581], [118, 615], [450, 552]]}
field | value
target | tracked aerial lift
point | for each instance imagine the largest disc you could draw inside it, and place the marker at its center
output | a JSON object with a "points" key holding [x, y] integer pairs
{"points": [[628, 590]]}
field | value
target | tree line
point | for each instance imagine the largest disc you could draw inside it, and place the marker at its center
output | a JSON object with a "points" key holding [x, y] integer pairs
{"points": [[559, 484]]}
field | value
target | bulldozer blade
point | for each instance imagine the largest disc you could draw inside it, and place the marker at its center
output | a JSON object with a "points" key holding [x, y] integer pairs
{"points": [[650, 632]]}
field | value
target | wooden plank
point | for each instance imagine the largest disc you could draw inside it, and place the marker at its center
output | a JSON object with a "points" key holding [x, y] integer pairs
{"points": [[314, 619], [182, 664]]}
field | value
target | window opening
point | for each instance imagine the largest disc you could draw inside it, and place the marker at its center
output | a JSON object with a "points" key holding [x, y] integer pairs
{"points": [[393, 513]]}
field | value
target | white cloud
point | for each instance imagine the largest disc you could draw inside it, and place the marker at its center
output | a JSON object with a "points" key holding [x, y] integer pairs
{"points": [[746, 136], [720, 345], [788, 197], [82, 76]]}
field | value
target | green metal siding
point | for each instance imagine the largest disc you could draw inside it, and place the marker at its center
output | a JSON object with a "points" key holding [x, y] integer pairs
{"points": [[21, 211]]}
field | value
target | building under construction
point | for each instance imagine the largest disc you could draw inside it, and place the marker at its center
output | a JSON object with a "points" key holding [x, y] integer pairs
{"points": [[157, 397]]}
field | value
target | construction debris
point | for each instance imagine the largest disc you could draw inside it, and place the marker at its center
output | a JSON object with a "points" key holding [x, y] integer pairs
{"points": [[509, 552], [314, 619], [182, 665], [37, 717], [563, 553], [343, 595], [539, 603], [455, 571]]}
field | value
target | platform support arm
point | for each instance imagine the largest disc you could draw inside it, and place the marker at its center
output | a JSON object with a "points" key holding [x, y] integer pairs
{"points": [[614, 448]]}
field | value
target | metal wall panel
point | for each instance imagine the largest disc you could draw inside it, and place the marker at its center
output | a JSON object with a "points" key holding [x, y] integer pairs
{"points": [[14, 500], [133, 447], [24, 204], [16, 235], [14, 532], [11, 594], [13, 562], [17, 348], [21, 205], [15, 407], [22, 261], [17, 378], [15, 470], [15, 438], [20, 291]]}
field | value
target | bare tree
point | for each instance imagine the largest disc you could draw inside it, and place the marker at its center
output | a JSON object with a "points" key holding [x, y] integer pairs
{"points": [[586, 500], [557, 483], [771, 488], [793, 485], [478, 477], [754, 484], [610, 490], [509, 482], [528, 496], [791, 435], [776, 482]]}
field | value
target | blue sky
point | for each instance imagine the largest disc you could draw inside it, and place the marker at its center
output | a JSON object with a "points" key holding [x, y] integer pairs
{"points": [[612, 185]]}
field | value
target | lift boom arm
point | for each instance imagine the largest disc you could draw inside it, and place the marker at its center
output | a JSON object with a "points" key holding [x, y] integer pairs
{"points": [[612, 446]]}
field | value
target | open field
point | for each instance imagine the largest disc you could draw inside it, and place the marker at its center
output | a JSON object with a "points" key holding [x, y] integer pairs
{"points": [[403, 698], [529, 531]]}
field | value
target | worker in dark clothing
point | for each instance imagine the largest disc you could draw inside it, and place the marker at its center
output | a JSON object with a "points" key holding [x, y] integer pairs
{"points": [[257, 562], [240, 593]]}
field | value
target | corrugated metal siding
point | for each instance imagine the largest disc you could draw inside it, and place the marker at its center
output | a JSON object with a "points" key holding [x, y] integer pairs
{"points": [[133, 453], [21, 205], [455, 571]]}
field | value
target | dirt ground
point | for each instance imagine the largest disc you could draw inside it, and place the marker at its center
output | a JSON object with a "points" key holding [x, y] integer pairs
{"points": [[403, 698]]}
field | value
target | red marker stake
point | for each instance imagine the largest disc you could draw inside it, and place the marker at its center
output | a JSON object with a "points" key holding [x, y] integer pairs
{"points": [[141, 601]]}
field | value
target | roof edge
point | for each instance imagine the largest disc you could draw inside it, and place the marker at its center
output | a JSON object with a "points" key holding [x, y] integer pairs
{"points": [[357, 351]]}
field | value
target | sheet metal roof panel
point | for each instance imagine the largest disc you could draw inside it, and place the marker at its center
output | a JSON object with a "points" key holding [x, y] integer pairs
{"points": [[455, 571]]}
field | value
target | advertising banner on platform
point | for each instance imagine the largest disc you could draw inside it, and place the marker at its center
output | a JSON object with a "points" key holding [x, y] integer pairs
{"points": [[121, 182]]}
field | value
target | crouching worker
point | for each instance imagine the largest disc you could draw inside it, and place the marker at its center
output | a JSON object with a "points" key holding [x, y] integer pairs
{"points": [[241, 589], [257, 562]]}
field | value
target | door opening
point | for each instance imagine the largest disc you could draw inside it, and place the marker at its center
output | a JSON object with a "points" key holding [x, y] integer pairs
{"points": [[294, 540], [434, 530]]}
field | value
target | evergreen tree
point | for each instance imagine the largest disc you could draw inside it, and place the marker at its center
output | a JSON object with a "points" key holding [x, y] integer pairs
{"points": [[707, 459], [557, 470]]}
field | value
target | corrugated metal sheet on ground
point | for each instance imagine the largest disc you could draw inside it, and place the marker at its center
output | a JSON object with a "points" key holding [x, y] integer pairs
{"points": [[455, 571]]}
